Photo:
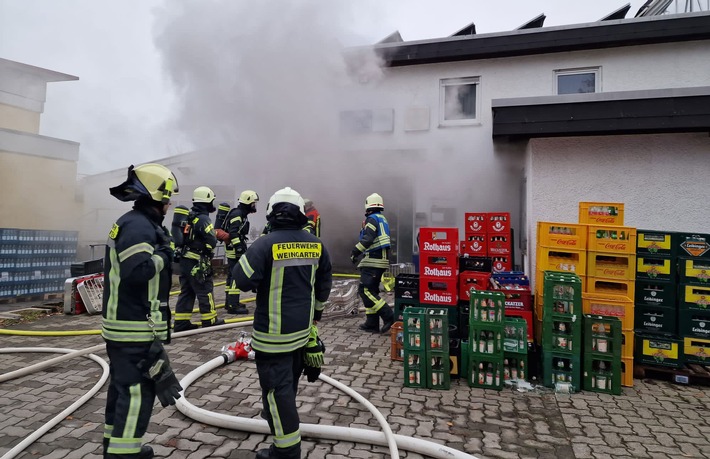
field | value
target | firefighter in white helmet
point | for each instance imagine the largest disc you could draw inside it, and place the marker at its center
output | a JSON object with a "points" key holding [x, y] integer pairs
{"points": [[375, 244], [291, 272], [235, 234], [196, 276], [136, 316]]}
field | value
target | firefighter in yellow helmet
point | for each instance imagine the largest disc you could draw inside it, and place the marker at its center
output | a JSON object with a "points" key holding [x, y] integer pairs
{"points": [[374, 243], [313, 215], [196, 277], [136, 316]]}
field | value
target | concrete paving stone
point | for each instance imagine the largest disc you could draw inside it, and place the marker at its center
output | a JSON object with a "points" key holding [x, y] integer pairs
{"points": [[500, 453]]}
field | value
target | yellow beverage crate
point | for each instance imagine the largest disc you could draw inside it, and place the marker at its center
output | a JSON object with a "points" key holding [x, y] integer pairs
{"points": [[611, 239], [573, 261], [696, 350], [617, 287], [627, 344], [627, 372], [601, 213], [610, 305], [611, 265], [564, 236]]}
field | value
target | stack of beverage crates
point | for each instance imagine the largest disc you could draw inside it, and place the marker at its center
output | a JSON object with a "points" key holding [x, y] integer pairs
{"points": [[489, 235], [602, 354], [426, 348], [483, 355], [672, 298]]}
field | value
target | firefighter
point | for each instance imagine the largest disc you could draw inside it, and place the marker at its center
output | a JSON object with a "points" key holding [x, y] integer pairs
{"points": [[375, 244], [135, 312], [237, 230], [313, 216], [196, 280], [291, 272]]}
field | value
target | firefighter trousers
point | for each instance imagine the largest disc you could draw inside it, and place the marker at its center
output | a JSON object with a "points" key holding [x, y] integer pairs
{"points": [[369, 291], [129, 401], [192, 288], [230, 289], [278, 377]]}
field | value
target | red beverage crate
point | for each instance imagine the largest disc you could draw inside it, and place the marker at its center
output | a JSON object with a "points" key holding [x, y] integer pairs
{"points": [[499, 223], [502, 263], [468, 280], [518, 297], [438, 291], [438, 240], [476, 247], [438, 265], [475, 223], [527, 315], [499, 244]]}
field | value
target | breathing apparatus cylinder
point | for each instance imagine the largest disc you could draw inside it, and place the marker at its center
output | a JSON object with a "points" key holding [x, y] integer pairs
{"points": [[179, 222], [222, 212]]}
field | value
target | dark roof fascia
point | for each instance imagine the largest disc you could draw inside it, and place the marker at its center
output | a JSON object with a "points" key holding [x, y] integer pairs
{"points": [[628, 112], [598, 35]]}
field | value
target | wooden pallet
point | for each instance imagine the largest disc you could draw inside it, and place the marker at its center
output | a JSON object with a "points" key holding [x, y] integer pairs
{"points": [[690, 373], [34, 298]]}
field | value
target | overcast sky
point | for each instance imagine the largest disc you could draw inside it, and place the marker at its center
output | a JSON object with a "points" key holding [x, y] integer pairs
{"points": [[123, 106]]}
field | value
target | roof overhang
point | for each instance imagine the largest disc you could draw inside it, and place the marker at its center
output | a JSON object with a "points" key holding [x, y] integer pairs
{"points": [[625, 112]]}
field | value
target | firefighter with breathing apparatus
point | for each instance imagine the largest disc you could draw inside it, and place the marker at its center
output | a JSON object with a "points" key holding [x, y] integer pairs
{"points": [[136, 315], [291, 272], [196, 277], [313, 216]]}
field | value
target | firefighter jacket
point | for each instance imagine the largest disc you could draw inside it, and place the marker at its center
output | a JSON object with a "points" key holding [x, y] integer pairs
{"points": [[374, 241], [201, 239], [291, 272], [138, 279], [236, 224], [313, 224]]}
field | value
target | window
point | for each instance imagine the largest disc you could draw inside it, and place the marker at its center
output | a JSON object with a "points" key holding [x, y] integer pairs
{"points": [[577, 81], [459, 101]]}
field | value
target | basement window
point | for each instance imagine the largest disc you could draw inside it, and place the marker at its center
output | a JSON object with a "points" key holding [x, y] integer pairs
{"points": [[458, 101], [577, 81]]}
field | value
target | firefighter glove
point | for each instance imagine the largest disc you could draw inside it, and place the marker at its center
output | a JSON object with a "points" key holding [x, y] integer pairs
{"points": [[354, 255], [314, 349], [240, 248], [156, 367], [311, 373]]}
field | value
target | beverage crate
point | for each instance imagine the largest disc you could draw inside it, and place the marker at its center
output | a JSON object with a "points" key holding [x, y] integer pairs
{"points": [[655, 268], [694, 270], [438, 240], [469, 279], [401, 304], [477, 264], [414, 331], [558, 367], [438, 370], [616, 287], [611, 239], [611, 306], [659, 350], [500, 263], [564, 236], [562, 293], [499, 223], [694, 297], [486, 340], [602, 374], [476, 245], [627, 372], [517, 297], [573, 261], [438, 291], [694, 323], [603, 336], [455, 358], [438, 264], [693, 245], [415, 369], [611, 265], [601, 213], [475, 223], [696, 350], [515, 366], [485, 373], [527, 316], [656, 243], [511, 278], [406, 286], [657, 293], [437, 329], [627, 344], [499, 244], [515, 335], [464, 310], [655, 319], [465, 360], [562, 334], [486, 307], [397, 341], [453, 313]]}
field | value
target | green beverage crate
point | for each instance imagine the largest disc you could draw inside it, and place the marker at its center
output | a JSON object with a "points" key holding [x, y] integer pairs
{"points": [[694, 323], [486, 340], [656, 243], [562, 293], [602, 337], [515, 366], [465, 359], [438, 370], [485, 373], [562, 333], [515, 335], [602, 374], [655, 268], [437, 329], [415, 336], [655, 319], [415, 369], [400, 304], [659, 350], [694, 270], [486, 307], [657, 293], [557, 367], [693, 245]]}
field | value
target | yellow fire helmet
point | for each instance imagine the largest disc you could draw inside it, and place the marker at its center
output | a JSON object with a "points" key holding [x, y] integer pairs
{"points": [[147, 180]]}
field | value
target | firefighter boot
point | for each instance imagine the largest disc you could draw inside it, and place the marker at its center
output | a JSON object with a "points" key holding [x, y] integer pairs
{"points": [[272, 453], [212, 323], [241, 308], [387, 315], [183, 325], [371, 323], [146, 452]]}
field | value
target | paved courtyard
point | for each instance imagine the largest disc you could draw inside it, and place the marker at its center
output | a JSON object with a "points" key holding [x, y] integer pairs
{"points": [[654, 419]]}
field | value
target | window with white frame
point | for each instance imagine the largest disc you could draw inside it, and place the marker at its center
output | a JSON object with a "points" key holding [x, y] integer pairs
{"points": [[578, 81], [459, 101]]}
